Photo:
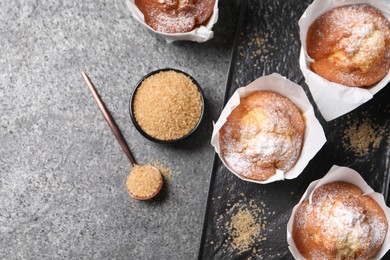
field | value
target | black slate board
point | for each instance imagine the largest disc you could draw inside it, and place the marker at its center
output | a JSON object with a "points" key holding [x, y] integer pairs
{"points": [[267, 41]]}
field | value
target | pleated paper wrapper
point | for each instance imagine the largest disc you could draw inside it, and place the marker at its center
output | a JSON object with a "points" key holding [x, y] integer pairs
{"points": [[314, 137], [343, 174], [332, 99], [199, 34]]}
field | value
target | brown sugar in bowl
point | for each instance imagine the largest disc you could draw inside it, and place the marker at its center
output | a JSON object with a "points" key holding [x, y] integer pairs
{"points": [[167, 106]]}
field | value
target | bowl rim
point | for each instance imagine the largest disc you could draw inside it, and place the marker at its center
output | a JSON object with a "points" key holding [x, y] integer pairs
{"points": [[137, 126]]}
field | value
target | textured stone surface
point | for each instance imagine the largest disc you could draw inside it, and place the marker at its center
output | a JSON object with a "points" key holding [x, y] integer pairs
{"points": [[62, 172]]}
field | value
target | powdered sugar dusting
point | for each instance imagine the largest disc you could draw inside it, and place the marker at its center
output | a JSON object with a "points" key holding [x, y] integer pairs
{"points": [[166, 23], [173, 16], [263, 133], [356, 40], [340, 223]]}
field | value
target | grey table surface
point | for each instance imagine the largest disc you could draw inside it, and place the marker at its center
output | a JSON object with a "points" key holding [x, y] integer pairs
{"points": [[62, 173]]}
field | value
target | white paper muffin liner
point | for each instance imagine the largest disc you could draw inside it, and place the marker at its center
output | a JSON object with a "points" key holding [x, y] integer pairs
{"points": [[344, 174], [332, 99], [314, 137], [200, 34]]}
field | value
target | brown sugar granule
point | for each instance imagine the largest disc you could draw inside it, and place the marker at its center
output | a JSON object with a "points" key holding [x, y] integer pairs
{"points": [[167, 105], [246, 227], [144, 182], [165, 171], [361, 137], [243, 229]]}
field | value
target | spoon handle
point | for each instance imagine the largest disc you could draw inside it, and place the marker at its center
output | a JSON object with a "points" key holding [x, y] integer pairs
{"points": [[109, 119]]}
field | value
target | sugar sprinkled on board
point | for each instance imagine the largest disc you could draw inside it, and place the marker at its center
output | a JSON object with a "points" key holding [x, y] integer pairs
{"points": [[244, 227], [362, 136]]}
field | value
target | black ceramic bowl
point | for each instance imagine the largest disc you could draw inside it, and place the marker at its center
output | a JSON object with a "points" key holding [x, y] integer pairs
{"points": [[153, 138]]}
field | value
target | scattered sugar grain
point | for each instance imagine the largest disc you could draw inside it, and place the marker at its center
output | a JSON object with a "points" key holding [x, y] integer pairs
{"points": [[243, 229], [165, 171], [361, 137]]}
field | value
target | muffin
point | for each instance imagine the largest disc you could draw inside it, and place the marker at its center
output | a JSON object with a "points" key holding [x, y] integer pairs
{"points": [[175, 16], [339, 223], [263, 133], [350, 45]]}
